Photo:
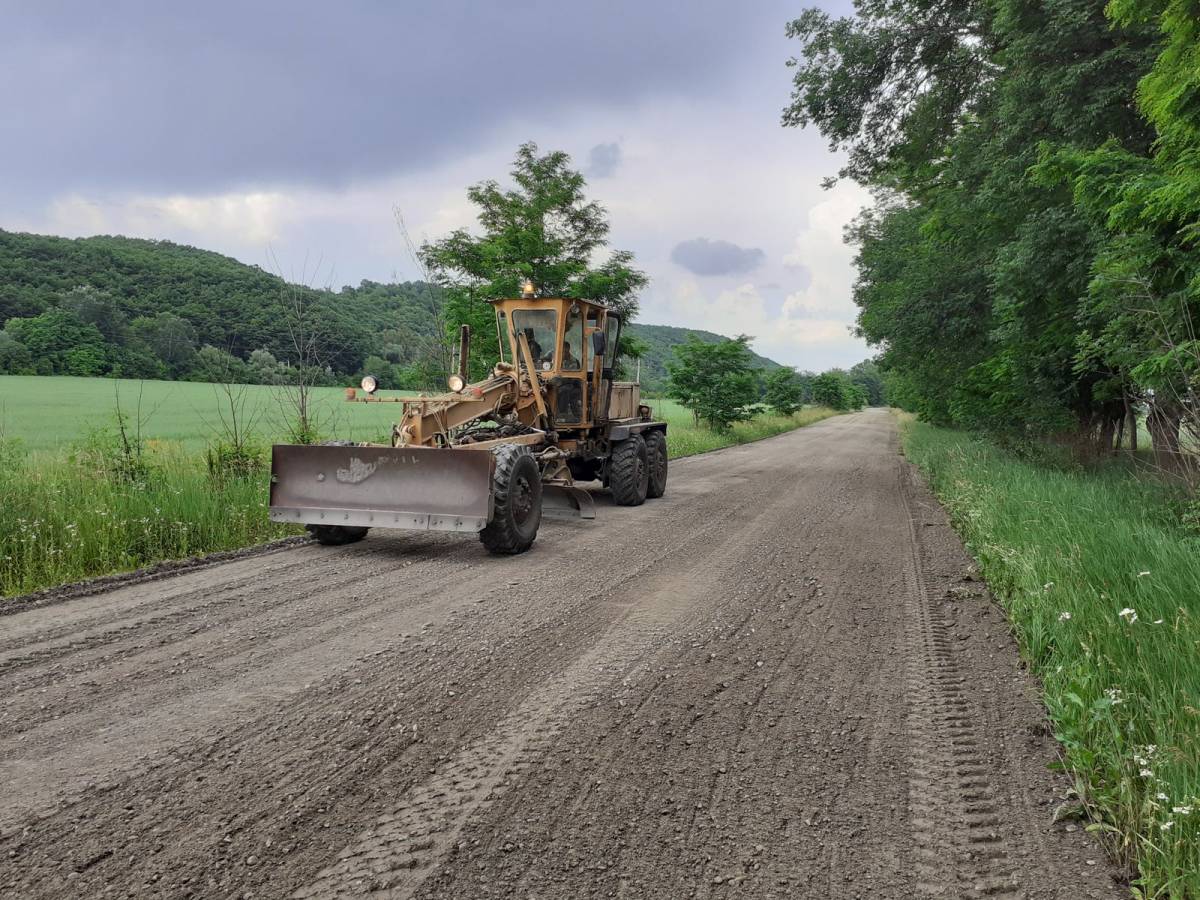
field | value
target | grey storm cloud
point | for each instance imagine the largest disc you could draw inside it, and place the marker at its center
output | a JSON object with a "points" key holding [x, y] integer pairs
{"points": [[224, 94], [704, 257], [604, 160]]}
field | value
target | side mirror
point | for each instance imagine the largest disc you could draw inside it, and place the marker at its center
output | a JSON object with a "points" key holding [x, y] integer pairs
{"points": [[599, 343]]}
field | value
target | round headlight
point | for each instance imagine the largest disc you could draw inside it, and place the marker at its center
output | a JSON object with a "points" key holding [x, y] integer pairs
{"points": [[456, 383], [370, 384]]}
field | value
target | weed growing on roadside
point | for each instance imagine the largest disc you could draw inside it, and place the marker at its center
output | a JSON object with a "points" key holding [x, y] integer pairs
{"points": [[1099, 579]]}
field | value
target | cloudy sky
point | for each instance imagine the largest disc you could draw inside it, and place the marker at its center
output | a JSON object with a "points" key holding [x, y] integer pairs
{"points": [[285, 134]]}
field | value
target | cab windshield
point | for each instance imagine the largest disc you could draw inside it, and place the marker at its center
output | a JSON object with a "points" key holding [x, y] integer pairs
{"points": [[540, 327]]}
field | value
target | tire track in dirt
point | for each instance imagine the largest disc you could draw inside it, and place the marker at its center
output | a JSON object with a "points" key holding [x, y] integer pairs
{"points": [[961, 849], [394, 856]]}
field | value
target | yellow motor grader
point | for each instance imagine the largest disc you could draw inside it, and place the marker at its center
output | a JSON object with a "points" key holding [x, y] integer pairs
{"points": [[489, 456]]}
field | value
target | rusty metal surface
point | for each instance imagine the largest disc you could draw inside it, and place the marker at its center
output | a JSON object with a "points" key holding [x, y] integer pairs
{"points": [[567, 500], [381, 487]]}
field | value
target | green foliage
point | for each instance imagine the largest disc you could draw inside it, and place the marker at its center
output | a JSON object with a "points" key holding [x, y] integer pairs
{"points": [[155, 299], [835, 390], [15, 358], [867, 376], [543, 229], [660, 343], [113, 523], [59, 341], [1099, 582], [714, 381], [686, 436], [974, 268], [784, 391]]}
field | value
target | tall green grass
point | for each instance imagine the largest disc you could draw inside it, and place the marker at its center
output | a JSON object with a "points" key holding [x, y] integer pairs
{"points": [[68, 517], [1102, 585]]}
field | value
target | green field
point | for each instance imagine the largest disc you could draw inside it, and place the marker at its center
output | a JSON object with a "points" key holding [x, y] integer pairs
{"points": [[54, 413], [1099, 574], [48, 413], [76, 502]]}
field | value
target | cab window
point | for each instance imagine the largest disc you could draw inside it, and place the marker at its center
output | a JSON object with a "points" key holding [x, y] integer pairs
{"points": [[540, 327], [612, 334]]}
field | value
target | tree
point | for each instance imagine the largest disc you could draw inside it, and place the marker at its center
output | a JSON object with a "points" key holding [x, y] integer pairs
{"points": [[98, 308], [220, 367], [264, 368], [829, 389], [171, 338], [971, 268], [15, 358], [867, 376], [784, 391], [544, 230], [61, 344], [714, 380]]}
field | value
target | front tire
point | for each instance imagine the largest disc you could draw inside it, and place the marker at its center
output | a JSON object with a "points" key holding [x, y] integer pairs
{"points": [[629, 472], [656, 453], [336, 535], [517, 503]]}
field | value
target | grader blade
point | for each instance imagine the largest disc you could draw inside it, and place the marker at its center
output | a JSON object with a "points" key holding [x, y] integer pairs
{"points": [[563, 500], [419, 488]]}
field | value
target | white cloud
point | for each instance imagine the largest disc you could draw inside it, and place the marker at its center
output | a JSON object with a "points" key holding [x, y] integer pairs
{"points": [[823, 253], [254, 217]]}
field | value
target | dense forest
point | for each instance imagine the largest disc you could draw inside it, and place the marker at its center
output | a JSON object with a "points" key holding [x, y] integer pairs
{"points": [[1029, 267], [154, 309]]}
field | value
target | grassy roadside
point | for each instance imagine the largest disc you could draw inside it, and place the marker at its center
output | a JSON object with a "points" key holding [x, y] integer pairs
{"points": [[77, 511], [1102, 585], [685, 438]]}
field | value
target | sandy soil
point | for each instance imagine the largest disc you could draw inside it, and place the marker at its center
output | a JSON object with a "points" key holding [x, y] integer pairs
{"points": [[780, 680]]}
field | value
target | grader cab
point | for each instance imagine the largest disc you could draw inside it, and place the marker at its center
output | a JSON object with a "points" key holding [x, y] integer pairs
{"points": [[490, 456]]}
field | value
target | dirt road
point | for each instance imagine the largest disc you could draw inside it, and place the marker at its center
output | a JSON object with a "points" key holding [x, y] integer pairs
{"points": [[778, 681]]}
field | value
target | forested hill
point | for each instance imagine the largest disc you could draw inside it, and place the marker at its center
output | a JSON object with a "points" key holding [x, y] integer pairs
{"points": [[660, 343], [154, 309]]}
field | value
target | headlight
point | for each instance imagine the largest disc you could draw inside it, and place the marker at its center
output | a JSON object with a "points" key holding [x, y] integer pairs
{"points": [[456, 383], [370, 384]]}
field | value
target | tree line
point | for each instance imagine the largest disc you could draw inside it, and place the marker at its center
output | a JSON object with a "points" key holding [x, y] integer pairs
{"points": [[720, 384], [1029, 265]]}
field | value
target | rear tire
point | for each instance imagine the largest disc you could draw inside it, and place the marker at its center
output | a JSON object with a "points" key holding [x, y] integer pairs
{"points": [[629, 472], [656, 454], [517, 504], [336, 535]]}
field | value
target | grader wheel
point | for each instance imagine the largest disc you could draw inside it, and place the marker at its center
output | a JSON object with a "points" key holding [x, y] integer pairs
{"points": [[656, 453], [629, 472], [517, 492]]}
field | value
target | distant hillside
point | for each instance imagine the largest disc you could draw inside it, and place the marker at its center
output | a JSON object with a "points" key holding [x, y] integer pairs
{"points": [[153, 309], [663, 338]]}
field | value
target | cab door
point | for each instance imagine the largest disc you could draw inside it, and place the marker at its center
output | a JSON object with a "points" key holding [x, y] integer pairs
{"points": [[570, 384]]}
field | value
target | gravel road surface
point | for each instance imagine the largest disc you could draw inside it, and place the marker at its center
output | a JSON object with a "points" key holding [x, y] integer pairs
{"points": [[780, 680]]}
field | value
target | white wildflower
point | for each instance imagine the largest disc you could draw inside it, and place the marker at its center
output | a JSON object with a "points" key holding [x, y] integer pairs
{"points": [[1047, 585], [1166, 826], [1064, 617], [1146, 773], [1114, 695], [1128, 614], [1181, 810], [1161, 796]]}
